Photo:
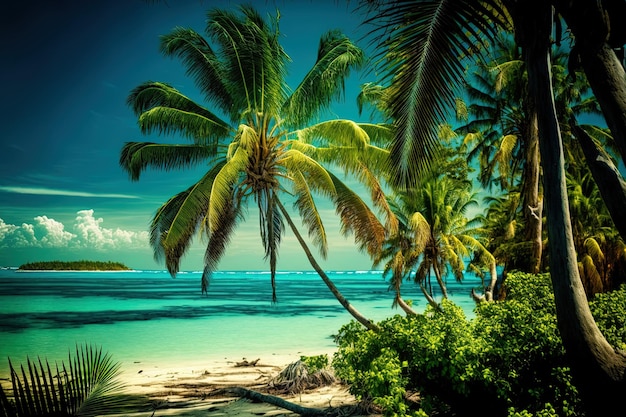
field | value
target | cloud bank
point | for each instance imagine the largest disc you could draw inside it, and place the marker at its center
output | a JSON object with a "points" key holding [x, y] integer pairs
{"points": [[87, 232]]}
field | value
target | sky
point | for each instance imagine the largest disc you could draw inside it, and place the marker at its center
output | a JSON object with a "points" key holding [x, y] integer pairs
{"points": [[67, 69]]}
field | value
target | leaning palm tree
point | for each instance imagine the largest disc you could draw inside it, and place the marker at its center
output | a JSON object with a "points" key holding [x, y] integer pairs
{"points": [[259, 144]]}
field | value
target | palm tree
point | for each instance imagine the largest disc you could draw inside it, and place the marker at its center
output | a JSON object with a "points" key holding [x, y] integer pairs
{"points": [[502, 127], [262, 151], [421, 44], [434, 236]]}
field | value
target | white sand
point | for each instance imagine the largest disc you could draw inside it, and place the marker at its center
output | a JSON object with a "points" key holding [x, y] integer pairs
{"points": [[197, 389]]}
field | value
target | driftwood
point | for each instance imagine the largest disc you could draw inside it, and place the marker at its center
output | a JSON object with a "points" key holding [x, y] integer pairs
{"points": [[278, 402], [248, 363]]}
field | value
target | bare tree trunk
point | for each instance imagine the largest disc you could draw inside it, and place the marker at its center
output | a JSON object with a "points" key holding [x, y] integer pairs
{"points": [[429, 297], [277, 401], [597, 367], [593, 24], [442, 285], [404, 306], [369, 324], [608, 178], [489, 289], [533, 204]]}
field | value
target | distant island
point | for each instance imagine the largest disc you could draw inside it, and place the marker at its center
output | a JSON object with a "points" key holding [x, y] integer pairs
{"points": [[74, 266]]}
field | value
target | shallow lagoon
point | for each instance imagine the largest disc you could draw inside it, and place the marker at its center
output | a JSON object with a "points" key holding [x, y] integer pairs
{"points": [[144, 316]]}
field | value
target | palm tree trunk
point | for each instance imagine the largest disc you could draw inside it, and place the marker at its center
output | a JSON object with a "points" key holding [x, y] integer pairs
{"points": [[597, 367], [369, 324], [442, 285], [429, 298], [608, 178], [591, 21], [533, 204], [404, 306]]}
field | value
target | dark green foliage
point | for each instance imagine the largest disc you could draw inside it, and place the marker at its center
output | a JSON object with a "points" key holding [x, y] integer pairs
{"points": [[508, 360], [85, 386], [74, 266], [609, 311]]}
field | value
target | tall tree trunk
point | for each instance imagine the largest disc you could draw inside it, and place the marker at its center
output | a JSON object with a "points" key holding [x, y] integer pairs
{"points": [[369, 324], [442, 285], [608, 178], [533, 203], [591, 23], [597, 367]]}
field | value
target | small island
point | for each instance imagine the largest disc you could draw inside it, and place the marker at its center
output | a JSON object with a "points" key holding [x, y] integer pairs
{"points": [[74, 266]]}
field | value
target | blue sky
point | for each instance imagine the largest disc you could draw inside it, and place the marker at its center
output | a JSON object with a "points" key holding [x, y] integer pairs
{"points": [[68, 67]]}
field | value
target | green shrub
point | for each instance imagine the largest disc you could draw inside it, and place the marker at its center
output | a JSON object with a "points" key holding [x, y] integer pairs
{"points": [[507, 360], [609, 311]]}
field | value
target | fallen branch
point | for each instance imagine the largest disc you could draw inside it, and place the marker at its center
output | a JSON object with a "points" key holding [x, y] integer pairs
{"points": [[246, 363], [277, 401]]}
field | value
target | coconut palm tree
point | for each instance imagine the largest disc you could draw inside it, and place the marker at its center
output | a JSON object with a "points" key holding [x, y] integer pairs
{"points": [[422, 43], [434, 236], [262, 151]]}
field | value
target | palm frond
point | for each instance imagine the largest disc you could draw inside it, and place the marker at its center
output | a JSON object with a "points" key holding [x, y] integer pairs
{"points": [[175, 223], [318, 178], [254, 61], [136, 157], [202, 64], [424, 40], [372, 95], [151, 95], [223, 188], [219, 239], [272, 228], [357, 218], [305, 204], [336, 132], [324, 83], [86, 386], [166, 120]]}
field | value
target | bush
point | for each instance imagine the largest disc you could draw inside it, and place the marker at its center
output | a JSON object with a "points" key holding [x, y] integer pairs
{"points": [[609, 311], [509, 360]]}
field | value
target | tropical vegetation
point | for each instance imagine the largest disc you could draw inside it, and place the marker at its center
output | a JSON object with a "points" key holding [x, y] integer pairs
{"points": [[424, 49], [508, 360]]}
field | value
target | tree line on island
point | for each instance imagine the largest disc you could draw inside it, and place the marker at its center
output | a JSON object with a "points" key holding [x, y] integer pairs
{"points": [[83, 265]]}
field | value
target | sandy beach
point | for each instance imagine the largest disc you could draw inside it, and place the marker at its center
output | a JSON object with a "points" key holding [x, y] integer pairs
{"points": [[203, 388]]}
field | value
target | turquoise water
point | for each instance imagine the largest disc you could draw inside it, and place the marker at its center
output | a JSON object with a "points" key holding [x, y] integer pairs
{"points": [[148, 316]]}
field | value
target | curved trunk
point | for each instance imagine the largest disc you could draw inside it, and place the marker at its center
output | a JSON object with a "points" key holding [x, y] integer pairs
{"points": [[408, 310], [489, 289], [608, 81], [608, 178], [429, 297], [442, 285], [597, 367], [369, 324], [591, 23]]}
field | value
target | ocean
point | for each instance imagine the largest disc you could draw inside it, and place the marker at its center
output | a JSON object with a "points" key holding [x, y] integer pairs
{"points": [[148, 316]]}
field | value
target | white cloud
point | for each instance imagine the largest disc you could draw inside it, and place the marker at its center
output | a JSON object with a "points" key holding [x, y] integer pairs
{"points": [[51, 233], [87, 232]]}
